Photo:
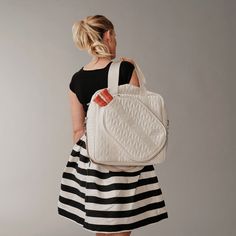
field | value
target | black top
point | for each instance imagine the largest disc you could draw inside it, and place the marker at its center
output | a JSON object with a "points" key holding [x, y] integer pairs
{"points": [[85, 83]]}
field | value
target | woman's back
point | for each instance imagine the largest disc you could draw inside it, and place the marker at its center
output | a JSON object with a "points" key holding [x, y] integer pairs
{"points": [[85, 83]]}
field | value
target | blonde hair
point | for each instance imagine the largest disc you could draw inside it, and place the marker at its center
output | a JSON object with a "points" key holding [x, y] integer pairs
{"points": [[88, 34]]}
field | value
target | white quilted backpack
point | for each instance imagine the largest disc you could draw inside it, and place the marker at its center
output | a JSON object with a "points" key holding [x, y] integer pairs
{"points": [[132, 129]]}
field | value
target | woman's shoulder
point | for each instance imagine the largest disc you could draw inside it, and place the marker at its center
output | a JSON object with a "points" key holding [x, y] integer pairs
{"points": [[76, 75], [126, 67], [127, 64], [74, 79], [126, 70], [127, 61]]}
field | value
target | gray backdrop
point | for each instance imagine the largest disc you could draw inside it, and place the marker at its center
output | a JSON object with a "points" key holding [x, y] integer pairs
{"points": [[186, 50]]}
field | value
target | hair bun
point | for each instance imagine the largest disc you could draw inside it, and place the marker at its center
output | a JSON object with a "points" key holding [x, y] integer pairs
{"points": [[87, 34]]}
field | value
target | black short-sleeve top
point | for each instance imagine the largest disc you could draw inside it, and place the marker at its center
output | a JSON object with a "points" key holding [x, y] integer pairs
{"points": [[84, 83]]}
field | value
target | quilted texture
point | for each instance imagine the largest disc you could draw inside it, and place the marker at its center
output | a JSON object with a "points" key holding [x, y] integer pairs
{"points": [[127, 131]]}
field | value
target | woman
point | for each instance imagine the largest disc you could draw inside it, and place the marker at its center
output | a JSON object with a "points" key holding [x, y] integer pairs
{"points": [[104, 201]]}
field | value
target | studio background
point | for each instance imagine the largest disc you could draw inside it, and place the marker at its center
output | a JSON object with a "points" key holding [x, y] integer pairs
{"points": [[186, 50]]}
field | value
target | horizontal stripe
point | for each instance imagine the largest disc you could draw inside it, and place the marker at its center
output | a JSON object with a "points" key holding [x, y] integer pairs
{"points": [[73, 187], [94, 170], [113, 198], [79, 217], [80, 154], [110, 187], [81, 143], [113, 222], [71, 203], [116, 228], [127, 213], [101, 178], [75, 191], [112, 214], [116, 203]]}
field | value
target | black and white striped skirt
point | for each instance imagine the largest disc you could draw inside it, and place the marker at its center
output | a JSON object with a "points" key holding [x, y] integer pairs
{"points": [[105, 201]]}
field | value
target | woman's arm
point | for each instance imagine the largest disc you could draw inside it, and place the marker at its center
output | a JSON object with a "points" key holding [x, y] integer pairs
{"points": [[78, 117], [134, 79]]}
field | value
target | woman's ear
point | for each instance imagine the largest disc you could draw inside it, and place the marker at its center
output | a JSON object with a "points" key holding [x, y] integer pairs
{"points": [[107, 36]]}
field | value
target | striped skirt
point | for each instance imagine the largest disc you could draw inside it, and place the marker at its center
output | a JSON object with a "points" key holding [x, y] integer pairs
{"points": [[105, 201]]}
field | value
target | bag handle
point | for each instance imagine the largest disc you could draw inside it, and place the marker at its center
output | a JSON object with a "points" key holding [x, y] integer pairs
{"points": [[113, 78]]}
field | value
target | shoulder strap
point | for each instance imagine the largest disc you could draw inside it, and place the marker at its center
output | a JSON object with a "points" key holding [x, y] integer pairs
{"points": [[113, 77]]}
